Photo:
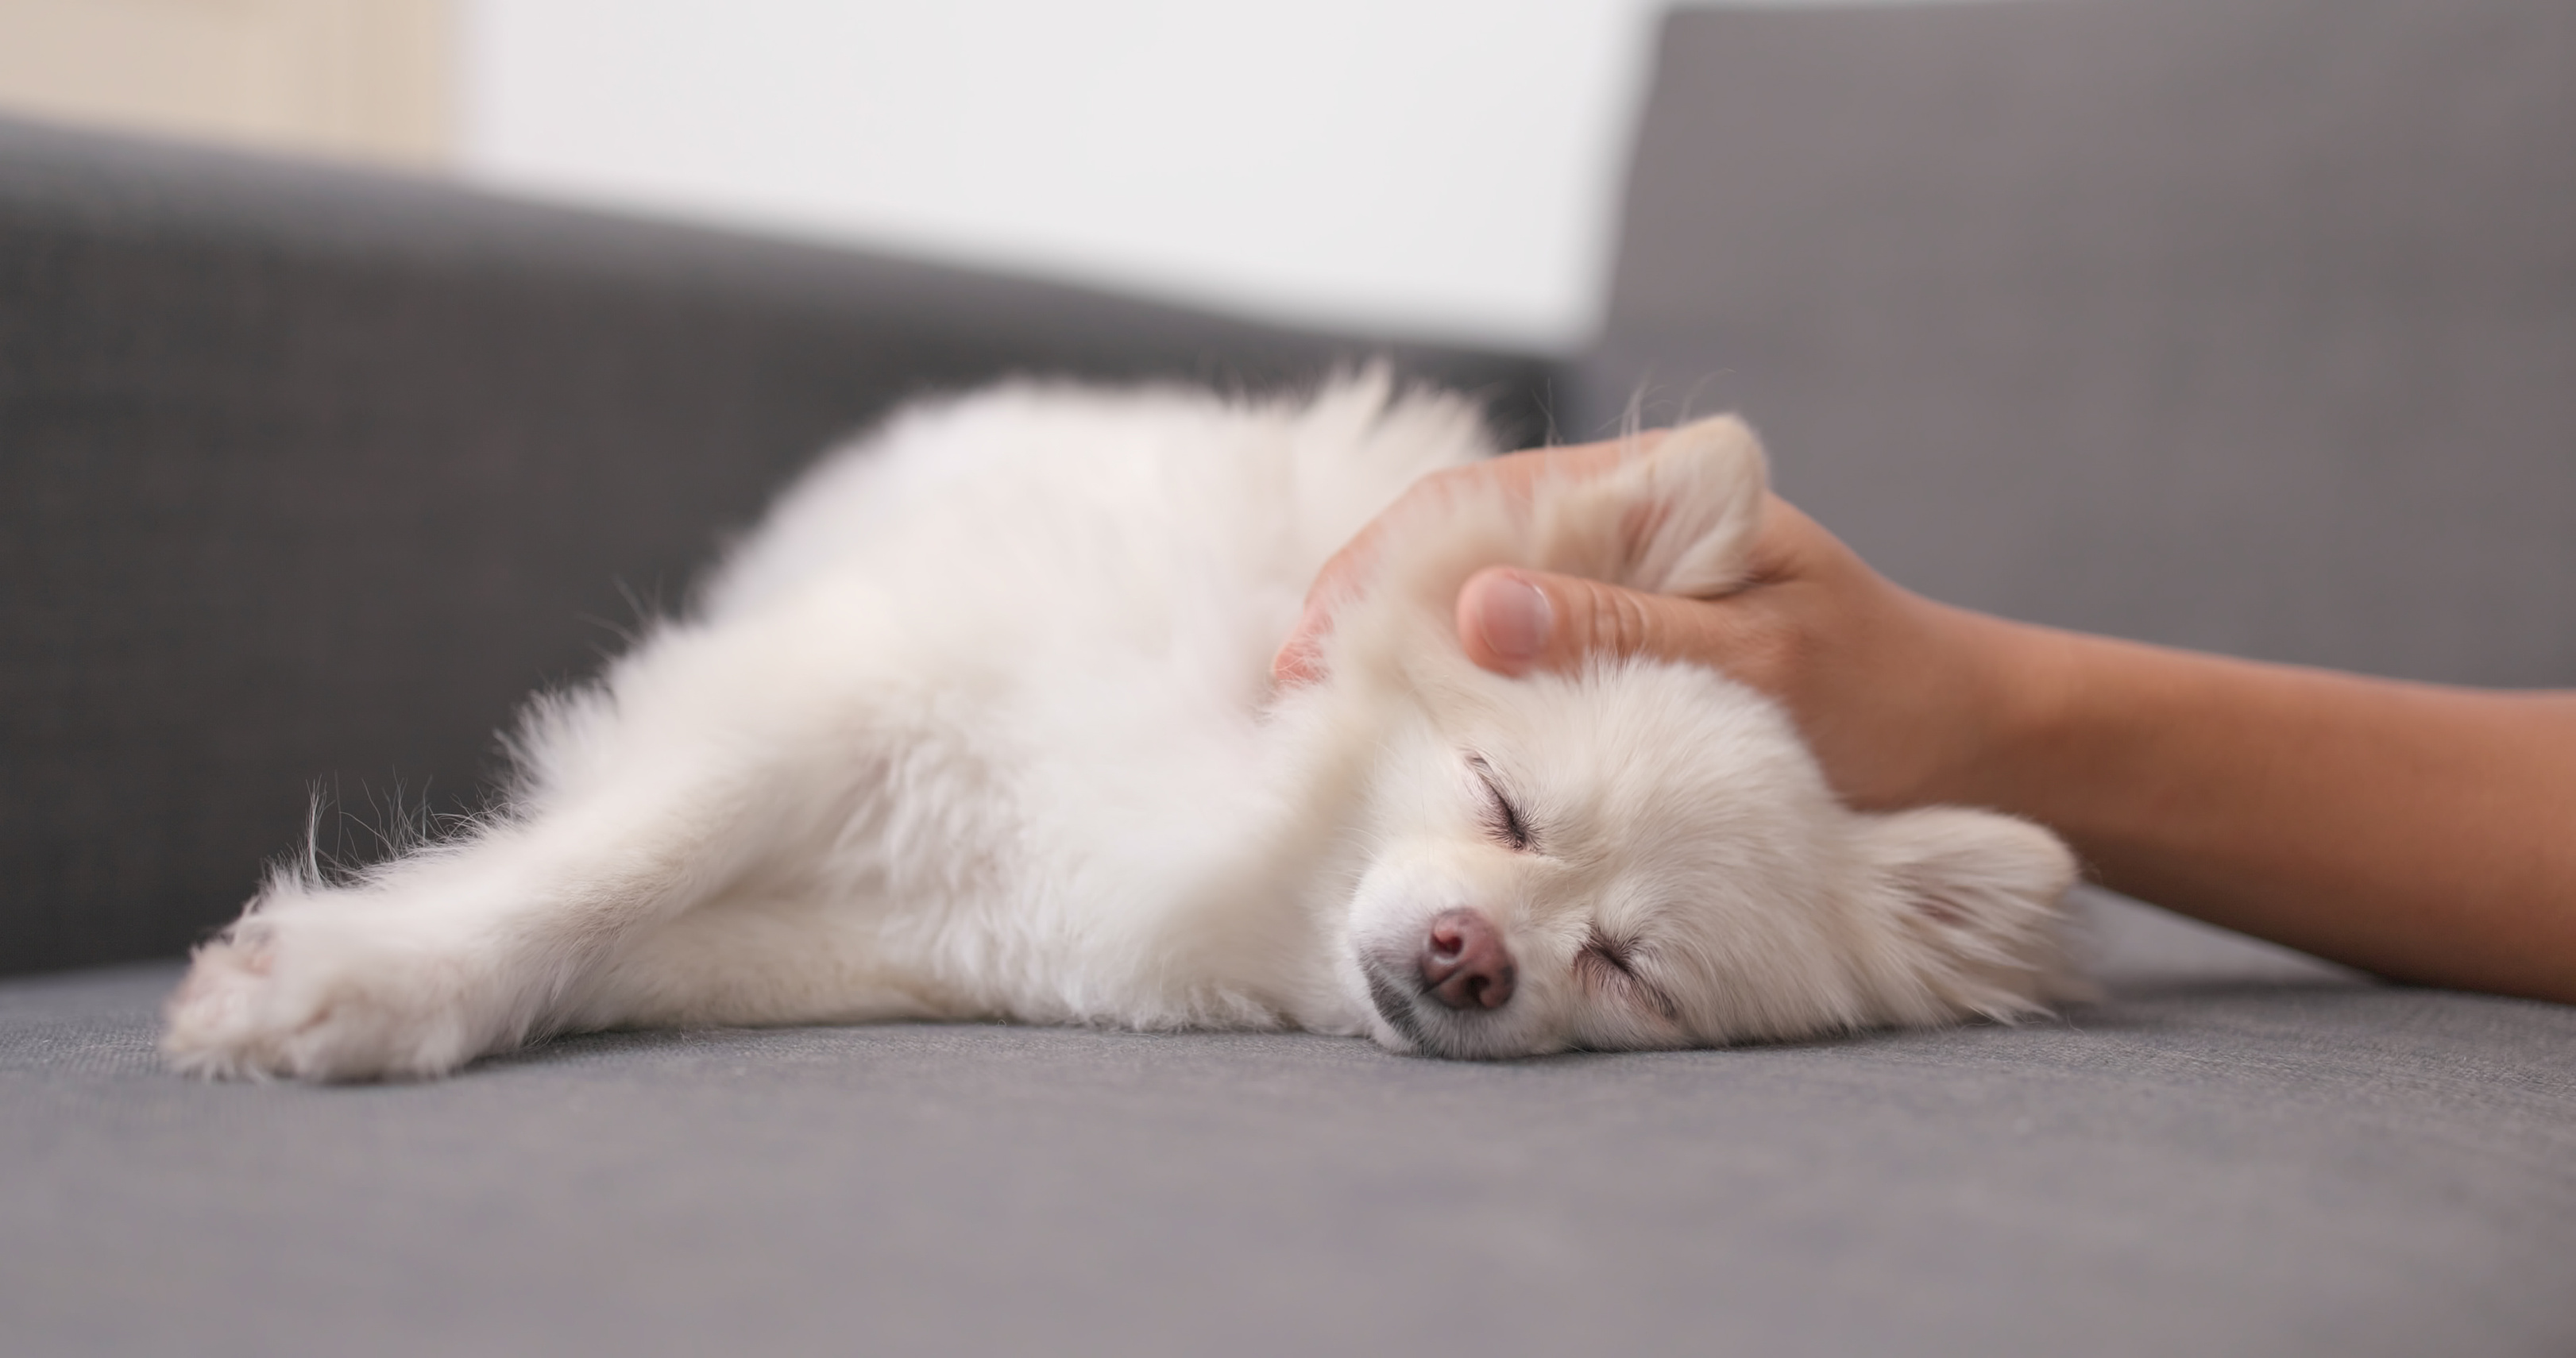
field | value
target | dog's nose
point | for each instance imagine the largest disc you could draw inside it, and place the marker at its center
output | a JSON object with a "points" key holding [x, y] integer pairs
{"points": [[1464, 962]]}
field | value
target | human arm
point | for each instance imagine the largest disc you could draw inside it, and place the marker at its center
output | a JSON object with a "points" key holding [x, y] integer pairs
{"points": [[2420, 832]]}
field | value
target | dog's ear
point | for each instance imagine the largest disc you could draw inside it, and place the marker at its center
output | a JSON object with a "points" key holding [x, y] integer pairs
{"points": [[1676, 519], [1975, 899]]}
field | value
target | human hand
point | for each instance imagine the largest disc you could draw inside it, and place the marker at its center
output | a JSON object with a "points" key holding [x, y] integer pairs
{"points": [[1901, 699]]}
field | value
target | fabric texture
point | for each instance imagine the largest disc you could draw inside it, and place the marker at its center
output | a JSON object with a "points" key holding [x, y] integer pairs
{"points": [[2247, 1157], [2241, 326]]}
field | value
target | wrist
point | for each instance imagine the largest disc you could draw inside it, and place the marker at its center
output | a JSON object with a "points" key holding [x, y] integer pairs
{"points": [[2022, 684]]}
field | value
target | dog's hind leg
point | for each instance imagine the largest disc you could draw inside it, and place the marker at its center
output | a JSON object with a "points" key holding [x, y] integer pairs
{"points": [[663, 790], [759, 960]]}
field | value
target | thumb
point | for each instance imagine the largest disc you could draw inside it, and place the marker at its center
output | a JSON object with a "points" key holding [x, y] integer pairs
{"points": [[1516, 621]]}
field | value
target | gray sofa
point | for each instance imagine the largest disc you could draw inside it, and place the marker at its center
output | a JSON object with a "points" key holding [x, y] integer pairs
{"points": [[2248, 325]]}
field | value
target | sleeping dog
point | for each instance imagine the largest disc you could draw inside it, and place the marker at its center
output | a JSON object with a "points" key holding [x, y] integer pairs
{"points": [[979, 724]]}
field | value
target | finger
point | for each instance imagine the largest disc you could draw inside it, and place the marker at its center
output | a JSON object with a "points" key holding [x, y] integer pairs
{"points": [[1516, 621], [1299, 659]]}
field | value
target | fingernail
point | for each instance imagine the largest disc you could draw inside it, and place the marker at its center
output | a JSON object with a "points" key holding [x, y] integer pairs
{"points": [[1514, 616]]}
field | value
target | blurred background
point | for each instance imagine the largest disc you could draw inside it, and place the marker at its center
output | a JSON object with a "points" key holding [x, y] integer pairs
{"points": [[1434, 169]]}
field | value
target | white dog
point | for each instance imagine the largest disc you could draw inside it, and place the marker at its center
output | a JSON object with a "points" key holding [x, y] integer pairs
{"points": [[979, 724]]}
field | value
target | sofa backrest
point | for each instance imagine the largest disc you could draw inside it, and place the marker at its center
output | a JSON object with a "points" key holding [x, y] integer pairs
{"points": [[2240, 324], [308, 476]]}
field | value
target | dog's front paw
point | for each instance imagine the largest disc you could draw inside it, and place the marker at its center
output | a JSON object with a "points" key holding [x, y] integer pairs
{"points": [[328, 990]]}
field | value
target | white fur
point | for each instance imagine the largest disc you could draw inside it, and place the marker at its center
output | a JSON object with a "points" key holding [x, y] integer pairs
{"points": [[979, 724]]}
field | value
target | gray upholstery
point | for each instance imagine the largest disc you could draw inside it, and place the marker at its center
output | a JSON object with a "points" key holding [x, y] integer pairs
{"points": [[2247, 325], [311, 476], [2227, 1164]]}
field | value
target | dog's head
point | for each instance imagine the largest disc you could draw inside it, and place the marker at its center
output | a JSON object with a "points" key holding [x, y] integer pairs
{"points": [[1644, 854]]}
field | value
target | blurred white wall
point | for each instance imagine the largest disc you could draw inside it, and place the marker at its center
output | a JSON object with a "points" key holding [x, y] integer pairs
{"points": [[1434, 168], [1441, 169]]}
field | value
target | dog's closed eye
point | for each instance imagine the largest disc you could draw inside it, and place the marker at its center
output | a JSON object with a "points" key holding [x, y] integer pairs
{"points": [[1503, 820], [1613, 962], [1615, 953]]}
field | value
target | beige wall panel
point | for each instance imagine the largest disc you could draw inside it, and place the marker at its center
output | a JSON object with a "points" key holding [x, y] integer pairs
{"points": [[366, 79]]}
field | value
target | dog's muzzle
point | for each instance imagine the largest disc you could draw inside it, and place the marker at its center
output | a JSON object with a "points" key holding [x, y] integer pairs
{"points": [[1464, 963], [1462, 971]]}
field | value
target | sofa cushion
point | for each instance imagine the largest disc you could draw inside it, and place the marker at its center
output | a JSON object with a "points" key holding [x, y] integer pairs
{"points": [[2219, 1165], [2248, 327]]}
